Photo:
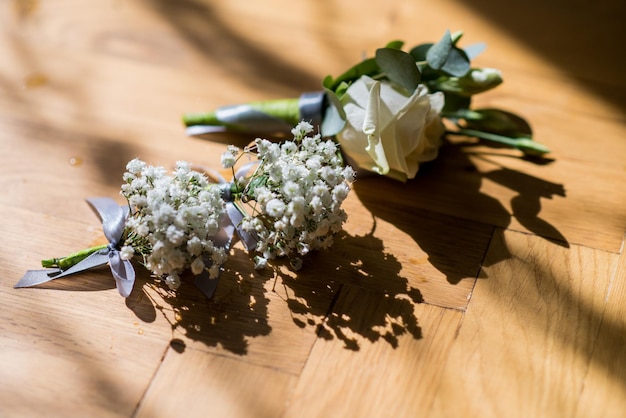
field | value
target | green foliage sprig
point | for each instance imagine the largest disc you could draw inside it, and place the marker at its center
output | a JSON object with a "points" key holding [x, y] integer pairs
{"points": [[444, 67]]}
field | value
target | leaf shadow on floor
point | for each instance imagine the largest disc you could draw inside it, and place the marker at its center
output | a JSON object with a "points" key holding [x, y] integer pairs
{"points": [[317, 300], [447, 213], [371, 300]]}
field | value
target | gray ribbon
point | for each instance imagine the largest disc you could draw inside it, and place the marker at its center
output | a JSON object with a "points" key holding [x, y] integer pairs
{"points": [[113, 219], [230, 224], [312, 107]]}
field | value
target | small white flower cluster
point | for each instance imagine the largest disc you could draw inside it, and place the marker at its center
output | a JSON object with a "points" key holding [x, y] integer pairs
{"points": [[173, 219], [298, 189]]}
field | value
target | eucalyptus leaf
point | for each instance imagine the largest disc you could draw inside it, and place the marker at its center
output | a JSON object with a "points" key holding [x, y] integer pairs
{"points": [[332, 123], [366, 67], [500, 122], [397, 44], [334, 117], [474, 82], [475, 50], [457, 64], [529, 147], [525, 144], [455, 103], [419, 52], [399, 67], [456, 37], [437, 55]]}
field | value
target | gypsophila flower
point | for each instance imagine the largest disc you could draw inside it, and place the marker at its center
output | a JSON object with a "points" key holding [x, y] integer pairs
{"points": [[197, 266], [173, 220], [230, 156], [295, 196], [172, 281], [127, 252], [259, 262]]}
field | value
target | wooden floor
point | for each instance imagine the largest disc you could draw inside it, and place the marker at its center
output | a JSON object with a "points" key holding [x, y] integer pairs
{"points": [[489, 286]]}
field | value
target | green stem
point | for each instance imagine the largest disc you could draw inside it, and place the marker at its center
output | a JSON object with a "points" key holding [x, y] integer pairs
{"points": [[64, 263], [285, 109], [524, 144]]}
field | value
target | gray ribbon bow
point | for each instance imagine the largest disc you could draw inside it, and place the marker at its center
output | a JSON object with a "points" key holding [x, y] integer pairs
{"points": [[230, 224], [113, 219]]}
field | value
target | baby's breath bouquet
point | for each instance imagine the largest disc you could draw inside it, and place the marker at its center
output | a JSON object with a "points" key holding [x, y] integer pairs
{"points": [[174, 221], [171, 224], [291, 203], [284, 203], [387, 111]]}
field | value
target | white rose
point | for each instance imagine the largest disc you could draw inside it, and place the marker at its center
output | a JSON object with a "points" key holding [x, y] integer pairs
{"points": [[387, 132]]}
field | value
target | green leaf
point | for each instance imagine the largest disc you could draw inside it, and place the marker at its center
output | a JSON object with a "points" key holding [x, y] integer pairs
{"points": [[475, 50], [437, 55], [530, 147], [419, 52], [367, 67], [456, 37], [327, 82], [474, 82], [334, 117], [455, 103], [395, 44], [524, 144], [457, 64], [255, 181], [399, 67], [500, 122], [341, 89]]}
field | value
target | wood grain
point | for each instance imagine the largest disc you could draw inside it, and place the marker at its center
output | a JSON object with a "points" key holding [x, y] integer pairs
{"points": [[526, 341], [215, 386], [604, 391], [380, 357], [491, 285]]}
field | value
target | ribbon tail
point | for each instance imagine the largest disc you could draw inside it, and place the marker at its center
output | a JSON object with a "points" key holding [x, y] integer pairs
{"points": [[249, 240], [224, 239], [207, 285], [36, 277], [123, 273]]}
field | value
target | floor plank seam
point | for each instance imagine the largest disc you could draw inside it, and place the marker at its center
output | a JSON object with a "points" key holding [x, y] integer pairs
{"points": [[480, 266], [145, 392], [567, 243], [242, 359]]}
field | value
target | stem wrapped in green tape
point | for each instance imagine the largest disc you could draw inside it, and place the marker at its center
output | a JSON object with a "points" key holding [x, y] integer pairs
{"points": [[277, 116]]}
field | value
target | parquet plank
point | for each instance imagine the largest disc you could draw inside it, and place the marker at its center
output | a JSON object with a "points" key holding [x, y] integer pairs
{"points": [[245, 318], [257, 317], [395, 248], [199, 384], [604, 391], [86, 86], [381, 355], [529, 332], [72, 348]]}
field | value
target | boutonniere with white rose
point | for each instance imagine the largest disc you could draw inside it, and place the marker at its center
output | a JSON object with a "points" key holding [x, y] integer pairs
{"points": [[387, 112]]}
